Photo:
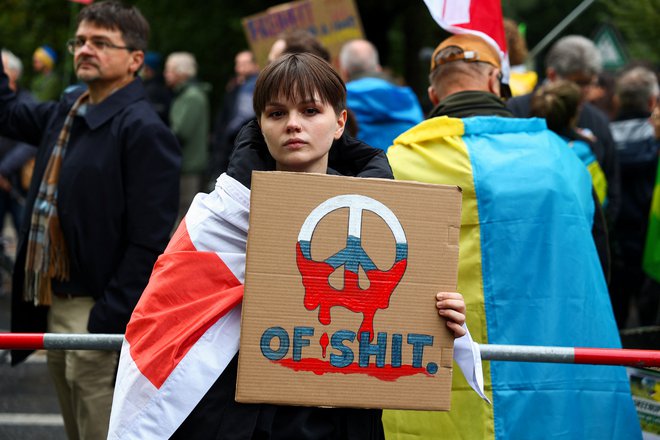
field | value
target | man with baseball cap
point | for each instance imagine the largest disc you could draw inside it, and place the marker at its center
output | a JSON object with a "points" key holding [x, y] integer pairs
{"points": [[528, 265], [466, 78]]}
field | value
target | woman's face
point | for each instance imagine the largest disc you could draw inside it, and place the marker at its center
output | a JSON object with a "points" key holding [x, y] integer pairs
{"points": [[299, 134]]}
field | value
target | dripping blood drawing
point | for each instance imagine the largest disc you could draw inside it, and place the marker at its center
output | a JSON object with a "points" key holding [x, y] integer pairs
{"points": [[349, 351]]}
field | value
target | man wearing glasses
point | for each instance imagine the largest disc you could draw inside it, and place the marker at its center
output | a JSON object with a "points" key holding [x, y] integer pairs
{"points": [[101, 205]]}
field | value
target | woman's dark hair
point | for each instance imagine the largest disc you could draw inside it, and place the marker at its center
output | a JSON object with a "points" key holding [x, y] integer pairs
{"points": [[558, 103], [113, 15], [299, 77]]}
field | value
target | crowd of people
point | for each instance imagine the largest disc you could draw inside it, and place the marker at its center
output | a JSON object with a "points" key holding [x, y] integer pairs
{"points": [[557, 181]]}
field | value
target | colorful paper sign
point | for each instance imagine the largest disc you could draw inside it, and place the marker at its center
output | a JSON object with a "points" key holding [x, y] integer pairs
{"points": [[333, 22]]}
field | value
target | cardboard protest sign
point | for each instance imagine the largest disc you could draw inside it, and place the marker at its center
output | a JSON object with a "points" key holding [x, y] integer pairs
{"points": [[333, 22], [339, 304]]}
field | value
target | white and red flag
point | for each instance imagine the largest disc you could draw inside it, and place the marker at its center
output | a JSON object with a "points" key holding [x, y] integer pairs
{"points": [[186, 327], [479, 17]]}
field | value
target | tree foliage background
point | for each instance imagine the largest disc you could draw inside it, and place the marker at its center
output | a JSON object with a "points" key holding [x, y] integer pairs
{"points": [[403, 31]]}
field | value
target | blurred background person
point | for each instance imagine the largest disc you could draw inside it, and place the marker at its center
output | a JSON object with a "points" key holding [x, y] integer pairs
{"points": [[576, 58], [298, 41], [189, 121], [16, 163], [46, 85], [637, 146], [558, 103], [158, 94], [235, 111], [651, 262], [383, 109], [602, 95], [522, 80]]}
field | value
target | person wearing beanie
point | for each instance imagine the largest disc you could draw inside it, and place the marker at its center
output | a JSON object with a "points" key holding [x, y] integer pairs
{"points": [[158, 94], [46, 85]]}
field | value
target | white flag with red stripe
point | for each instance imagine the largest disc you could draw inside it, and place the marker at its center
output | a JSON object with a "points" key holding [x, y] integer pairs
{"points": [[479, 17], [186, 327]]}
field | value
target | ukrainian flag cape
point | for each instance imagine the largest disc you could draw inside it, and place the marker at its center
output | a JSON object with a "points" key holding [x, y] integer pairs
{"points": [[530, 274]]}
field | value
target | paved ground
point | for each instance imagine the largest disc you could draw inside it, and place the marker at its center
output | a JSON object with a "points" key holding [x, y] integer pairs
{"points": [[28, 404]]}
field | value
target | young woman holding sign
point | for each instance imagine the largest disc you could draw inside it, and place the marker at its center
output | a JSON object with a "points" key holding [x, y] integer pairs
{"points": [[300, 103]]}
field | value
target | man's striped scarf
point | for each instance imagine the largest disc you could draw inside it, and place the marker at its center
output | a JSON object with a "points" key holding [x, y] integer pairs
{"points": [[47, 256]]}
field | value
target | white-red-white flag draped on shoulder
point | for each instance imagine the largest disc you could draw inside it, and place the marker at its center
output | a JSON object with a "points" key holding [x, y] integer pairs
{"points": [[186, 327], [478, 17]]}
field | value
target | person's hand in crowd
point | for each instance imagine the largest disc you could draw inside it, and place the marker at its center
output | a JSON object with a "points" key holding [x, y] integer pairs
{"points": [[451, 306], [655, 121], [5, 185]]}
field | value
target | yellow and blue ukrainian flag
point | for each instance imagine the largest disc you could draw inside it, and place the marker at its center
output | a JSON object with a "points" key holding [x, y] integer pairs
{"points": [[530, 275]]}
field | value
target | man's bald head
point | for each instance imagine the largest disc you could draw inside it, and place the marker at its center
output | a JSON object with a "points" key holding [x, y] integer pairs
{"points": [[358, 57]]}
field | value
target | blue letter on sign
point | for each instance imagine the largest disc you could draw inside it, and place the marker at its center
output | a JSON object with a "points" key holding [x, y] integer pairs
{"points": [[267, 337], [347, 356], [418, 342], [367, 350], [299, 342], [396, 350]]}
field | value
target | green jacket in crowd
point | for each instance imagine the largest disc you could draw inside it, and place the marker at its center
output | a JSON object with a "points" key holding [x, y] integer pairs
{"points": [[190, 122], [46, 87]]}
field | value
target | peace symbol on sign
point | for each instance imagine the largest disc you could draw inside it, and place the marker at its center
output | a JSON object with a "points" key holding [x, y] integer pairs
{"points": [[315, 274]]}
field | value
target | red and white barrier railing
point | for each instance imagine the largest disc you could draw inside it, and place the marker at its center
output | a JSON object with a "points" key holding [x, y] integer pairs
{"points": [[59, 341], [489, 352], [571, 355]]}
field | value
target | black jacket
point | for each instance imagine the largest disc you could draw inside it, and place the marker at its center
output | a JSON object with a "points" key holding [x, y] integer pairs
{"points": [[638, 155], [117, 199], [348, 157]]}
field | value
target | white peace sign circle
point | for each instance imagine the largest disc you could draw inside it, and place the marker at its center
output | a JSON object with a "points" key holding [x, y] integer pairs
{"points": [[356, 204]]}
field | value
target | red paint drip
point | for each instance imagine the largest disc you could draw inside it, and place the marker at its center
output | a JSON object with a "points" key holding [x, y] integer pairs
{"points": [[386, 373], [324, 343], [319, 293]]}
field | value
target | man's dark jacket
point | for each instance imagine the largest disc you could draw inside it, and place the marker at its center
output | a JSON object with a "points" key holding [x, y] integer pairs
{"points": [[595, 120], [117, 199]]}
